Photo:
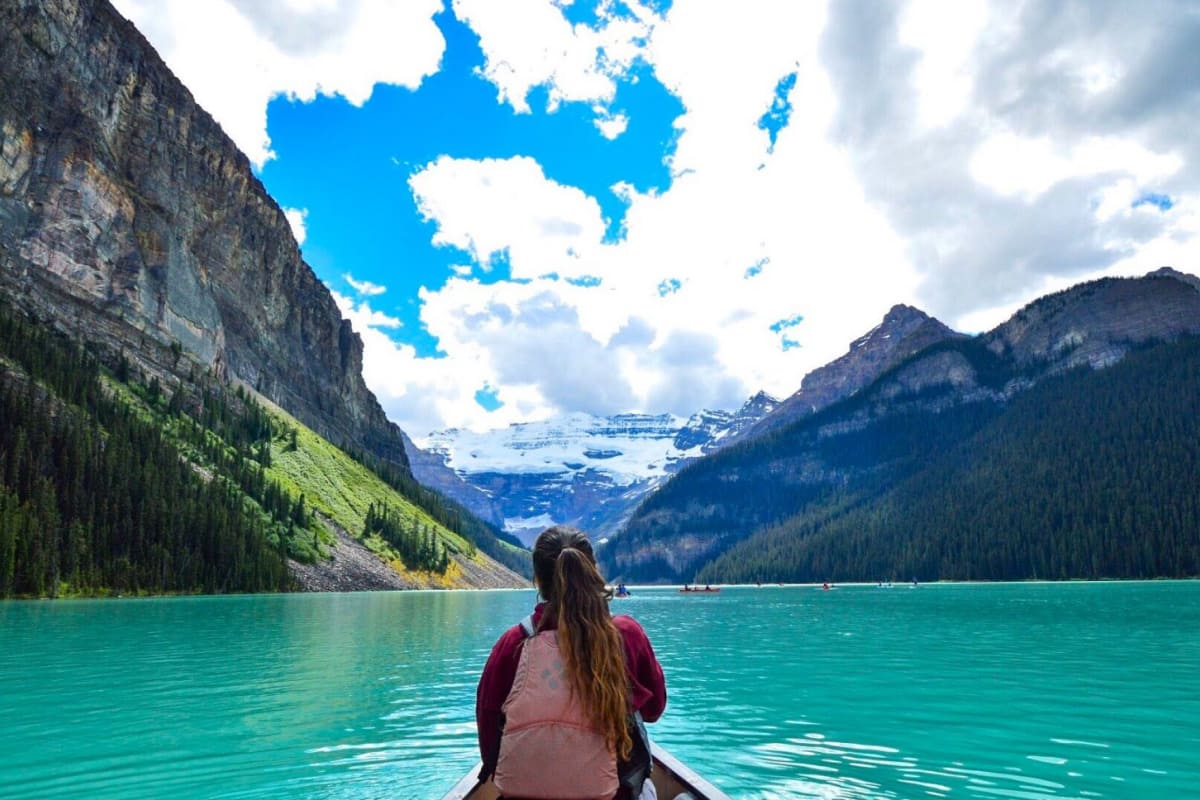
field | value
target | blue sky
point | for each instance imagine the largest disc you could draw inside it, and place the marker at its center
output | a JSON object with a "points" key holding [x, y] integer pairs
{"points": [[538, 207], [364, 179]]}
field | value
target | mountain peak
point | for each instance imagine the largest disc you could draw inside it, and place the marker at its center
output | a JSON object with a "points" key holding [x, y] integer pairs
{"points": [[903, 331], [577, 469], [1095, 323], [901, 313], [759, 401], [1171, 272]]}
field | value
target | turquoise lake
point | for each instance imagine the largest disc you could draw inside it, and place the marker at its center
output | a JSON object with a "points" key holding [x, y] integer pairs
{"points": [[1080, 690]]}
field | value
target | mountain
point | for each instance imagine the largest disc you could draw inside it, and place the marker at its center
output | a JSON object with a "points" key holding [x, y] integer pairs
{"points": [[182, 334], [129, 219], [903, 332], [430, 469], [1085, 475], [1097, 323], [580, 469], [785, 503], [110, 486]]}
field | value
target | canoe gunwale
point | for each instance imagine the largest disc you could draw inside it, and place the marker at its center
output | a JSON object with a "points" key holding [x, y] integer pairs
{"points": [[468, 784], [685, 775], [680, 772]]}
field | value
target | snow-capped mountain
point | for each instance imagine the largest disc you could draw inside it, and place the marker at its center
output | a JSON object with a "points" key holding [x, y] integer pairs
{"points": [[578, 469]]}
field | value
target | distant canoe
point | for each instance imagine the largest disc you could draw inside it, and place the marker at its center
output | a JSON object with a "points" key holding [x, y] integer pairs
{"points": [[671, 778], [699, 591]]}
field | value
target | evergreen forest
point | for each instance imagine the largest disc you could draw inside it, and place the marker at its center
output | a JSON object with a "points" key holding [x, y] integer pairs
{"points": [[1088, 474], [95, 500], [1091, 474], [112, 484]]}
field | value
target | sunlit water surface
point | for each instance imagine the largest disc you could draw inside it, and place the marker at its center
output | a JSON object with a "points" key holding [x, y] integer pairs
{"points": [[1032, 691]]}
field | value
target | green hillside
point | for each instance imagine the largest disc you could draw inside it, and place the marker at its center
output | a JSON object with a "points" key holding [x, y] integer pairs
{"points": [[112, 484], [344, 490], [1091, 474]]}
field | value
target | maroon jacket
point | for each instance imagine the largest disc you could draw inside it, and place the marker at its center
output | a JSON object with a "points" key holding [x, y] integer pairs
{"points": [[645, 677]]}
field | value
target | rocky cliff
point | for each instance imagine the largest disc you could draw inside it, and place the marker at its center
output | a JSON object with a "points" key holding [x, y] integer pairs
{"points": [[1096, 323], [903, 332], [129, 219]]}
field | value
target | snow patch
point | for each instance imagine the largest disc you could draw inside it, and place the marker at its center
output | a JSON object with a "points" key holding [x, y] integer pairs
{"points": [[625, 449], [514, 524]]}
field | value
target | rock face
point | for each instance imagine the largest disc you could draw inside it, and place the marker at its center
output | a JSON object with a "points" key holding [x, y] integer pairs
{"points": [[579, 470], [903, 332], [1096, 323], [128, 218]]}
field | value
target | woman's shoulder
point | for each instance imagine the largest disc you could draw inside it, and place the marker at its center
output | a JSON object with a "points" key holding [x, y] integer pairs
{"points": [[628, 626], [638, 649], [515, 635]]}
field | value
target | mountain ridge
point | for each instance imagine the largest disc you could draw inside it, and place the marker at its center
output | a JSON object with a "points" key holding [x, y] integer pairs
{"points": [[131, 224], [903, 331], [181, 264], [577, 469], [862, 438]]}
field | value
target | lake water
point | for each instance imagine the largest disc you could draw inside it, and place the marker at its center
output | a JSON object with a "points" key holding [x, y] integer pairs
{"points": [[963, 691]]}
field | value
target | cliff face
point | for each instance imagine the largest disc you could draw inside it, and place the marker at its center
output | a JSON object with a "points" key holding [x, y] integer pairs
{"points": [[129, 219], [1096, 323], [903, 332]]}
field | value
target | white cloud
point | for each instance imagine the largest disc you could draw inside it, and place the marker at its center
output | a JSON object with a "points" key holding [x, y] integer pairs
{"points": [[820, 249], [364, 288], [362, 314], [297, 219], [1175, 247], [235, 55], [1026, 167], [752, 235], [961, 157], [1063, 118], [944, 34], [508, 206], [529, 43], [611, 125]]}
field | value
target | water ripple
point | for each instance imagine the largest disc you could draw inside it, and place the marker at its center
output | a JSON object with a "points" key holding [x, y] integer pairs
{"points": [[1021, 692]]}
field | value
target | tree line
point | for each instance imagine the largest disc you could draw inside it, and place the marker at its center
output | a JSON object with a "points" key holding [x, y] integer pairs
{"points": [[94, 499], [416, 543], [502, 547], [1090, 474]]}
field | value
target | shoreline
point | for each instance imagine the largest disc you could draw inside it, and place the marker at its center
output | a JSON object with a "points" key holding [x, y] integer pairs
{"points": [[664, 587]]}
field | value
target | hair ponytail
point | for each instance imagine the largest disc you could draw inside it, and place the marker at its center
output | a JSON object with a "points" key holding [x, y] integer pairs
{"points": [[593, 653]]}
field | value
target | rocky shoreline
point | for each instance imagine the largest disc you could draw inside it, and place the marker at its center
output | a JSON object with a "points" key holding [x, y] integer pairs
{"points": [[354, 568]]}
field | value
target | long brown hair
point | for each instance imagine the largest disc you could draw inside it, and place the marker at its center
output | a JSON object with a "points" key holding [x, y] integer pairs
{"points": [[565, 569]]}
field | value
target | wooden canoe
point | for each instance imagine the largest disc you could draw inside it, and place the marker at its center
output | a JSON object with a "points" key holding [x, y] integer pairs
{"points": [[671, 778]]}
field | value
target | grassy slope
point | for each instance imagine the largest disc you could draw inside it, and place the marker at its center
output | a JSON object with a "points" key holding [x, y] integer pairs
{"points": [[334, 485], [340, 488]]}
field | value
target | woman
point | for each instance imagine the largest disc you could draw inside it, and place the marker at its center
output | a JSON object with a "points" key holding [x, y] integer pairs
{"points": [[556, 696]]}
